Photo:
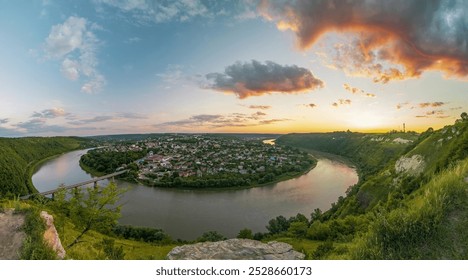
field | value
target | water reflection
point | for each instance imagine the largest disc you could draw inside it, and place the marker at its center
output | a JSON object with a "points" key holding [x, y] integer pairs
{"points": [[187, 214]]}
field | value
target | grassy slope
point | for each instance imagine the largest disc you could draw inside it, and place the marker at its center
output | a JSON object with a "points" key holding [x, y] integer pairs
{"points": [[391, 215]]}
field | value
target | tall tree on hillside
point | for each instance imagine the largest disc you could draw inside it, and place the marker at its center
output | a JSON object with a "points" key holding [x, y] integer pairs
{"points": [[96, 209]]}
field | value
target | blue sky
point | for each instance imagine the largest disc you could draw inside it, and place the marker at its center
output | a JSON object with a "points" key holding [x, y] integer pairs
{"points": [[139, 66]]}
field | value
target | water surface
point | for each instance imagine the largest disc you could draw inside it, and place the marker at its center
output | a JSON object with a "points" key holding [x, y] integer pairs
{"points": [[187, 214]]}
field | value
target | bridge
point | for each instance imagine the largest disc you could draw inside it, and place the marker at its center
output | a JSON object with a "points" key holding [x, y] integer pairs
{"points": [[94, 181]]}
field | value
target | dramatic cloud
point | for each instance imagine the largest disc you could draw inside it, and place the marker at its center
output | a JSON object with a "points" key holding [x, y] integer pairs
{"points": [[50, 113], [395, 39], [429, 104], [255, 78], [358, 91], [159, 11], [74, 43], [341, 102], [220, 121]]}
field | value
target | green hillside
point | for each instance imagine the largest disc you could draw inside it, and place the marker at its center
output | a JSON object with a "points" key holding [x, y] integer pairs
{"points": [[411, 204], [19, 157], [411, 201]]}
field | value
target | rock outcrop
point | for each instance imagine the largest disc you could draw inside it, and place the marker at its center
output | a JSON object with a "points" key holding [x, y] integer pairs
{"points": [[11, 234], [235, 249], [412, 165], [51, 235]]}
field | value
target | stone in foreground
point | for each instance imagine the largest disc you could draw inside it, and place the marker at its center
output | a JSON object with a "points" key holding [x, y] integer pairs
{"points": [[235, 249]]}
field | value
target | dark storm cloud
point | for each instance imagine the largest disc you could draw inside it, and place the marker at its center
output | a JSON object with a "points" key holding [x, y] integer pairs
{"points": [[255, 78], [415, 35]]}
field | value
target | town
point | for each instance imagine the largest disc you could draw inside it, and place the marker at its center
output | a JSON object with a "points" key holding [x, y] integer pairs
{"points": [[178, 160]]}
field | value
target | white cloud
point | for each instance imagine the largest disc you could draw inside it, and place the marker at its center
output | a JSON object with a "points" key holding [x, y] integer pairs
{"points": [[160, 11], [50, 113], [74, 43], [70, 69]]}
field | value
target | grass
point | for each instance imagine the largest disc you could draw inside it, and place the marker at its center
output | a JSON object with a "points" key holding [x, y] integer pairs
{"points": [[90, 249], [415, 230]]}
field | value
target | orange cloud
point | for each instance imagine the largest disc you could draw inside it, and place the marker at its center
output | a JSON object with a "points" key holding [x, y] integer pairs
{"points": [[341, 102], [255, 79], [396, 39], [355, 90]]}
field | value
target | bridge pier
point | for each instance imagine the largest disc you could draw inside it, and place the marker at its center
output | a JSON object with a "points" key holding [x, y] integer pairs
{"points": [[75, 186]]}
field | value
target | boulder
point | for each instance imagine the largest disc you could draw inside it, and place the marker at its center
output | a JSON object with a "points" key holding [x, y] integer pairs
{"points": [[51, 236], [235, 249]]}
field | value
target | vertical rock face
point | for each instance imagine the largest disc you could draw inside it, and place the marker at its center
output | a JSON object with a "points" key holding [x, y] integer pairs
{"points": [[235, 249], [51, 235]]}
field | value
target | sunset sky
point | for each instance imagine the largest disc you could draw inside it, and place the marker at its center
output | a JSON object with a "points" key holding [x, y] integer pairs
{"points": [[138, 66]]}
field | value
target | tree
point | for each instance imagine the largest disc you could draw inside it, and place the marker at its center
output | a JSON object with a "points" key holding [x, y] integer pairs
{"points": [[95, 210], [464, 116], [277, 225], [211, 236], [245, 234], [298, 229]]}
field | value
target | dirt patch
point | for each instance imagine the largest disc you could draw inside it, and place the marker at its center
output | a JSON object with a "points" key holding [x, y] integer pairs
{"points": [[11, 235]]}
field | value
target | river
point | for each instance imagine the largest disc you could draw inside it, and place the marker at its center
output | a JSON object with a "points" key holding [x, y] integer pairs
{"points": [[186, 214]]}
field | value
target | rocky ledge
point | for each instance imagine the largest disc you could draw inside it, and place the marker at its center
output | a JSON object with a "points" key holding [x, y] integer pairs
{"points": [[235, 249]]}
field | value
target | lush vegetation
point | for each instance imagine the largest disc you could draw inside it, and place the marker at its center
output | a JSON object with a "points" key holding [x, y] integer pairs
{"points": [[370, 152], [19, 157], [106, 162], [392, 213], [416, 212]]}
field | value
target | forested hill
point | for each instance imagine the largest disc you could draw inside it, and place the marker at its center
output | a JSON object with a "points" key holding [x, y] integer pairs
{"points": [[412, 203], [370, 152], [18, 157]]}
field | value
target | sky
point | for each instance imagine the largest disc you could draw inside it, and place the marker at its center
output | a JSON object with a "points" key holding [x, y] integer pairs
{"points": [[96, 67]]}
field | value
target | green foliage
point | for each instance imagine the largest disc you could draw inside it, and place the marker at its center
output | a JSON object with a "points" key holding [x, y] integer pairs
{"points": [[245, 234], [406, 232], [278, 225], [142, 234], [34, 246], [323, 250], [319, 231], [370, 152], [298, 229], [108, 161], [111, 251], [95, 210], [211, 236], [19, 157]]}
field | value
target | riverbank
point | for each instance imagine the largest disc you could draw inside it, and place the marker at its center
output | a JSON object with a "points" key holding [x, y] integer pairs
{"points": [[187, 214], [277, 179]]}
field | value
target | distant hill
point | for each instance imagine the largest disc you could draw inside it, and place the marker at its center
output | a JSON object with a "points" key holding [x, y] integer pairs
{"points": [[140, 137], [20, 155]]}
